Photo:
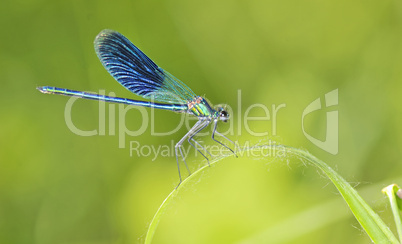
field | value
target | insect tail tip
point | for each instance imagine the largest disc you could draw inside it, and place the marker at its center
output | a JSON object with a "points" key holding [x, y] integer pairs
{"points": [[43, 89]]}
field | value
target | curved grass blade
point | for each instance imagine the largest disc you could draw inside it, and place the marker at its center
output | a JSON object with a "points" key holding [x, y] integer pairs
{"points": [[155, 221], [324, 213], [377, 230], [368, 219]]}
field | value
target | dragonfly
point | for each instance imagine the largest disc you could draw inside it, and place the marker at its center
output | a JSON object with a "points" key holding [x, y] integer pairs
{"points": [[139, 74]]}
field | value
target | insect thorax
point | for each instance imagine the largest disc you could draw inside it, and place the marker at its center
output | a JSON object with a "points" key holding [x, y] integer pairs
{"points": [[200, 107]]}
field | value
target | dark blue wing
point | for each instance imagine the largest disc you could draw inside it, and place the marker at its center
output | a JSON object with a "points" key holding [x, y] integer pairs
{"points": [[136, 72]]}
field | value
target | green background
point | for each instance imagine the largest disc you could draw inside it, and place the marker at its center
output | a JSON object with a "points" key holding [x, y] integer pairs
{"points": [[59, 187]]}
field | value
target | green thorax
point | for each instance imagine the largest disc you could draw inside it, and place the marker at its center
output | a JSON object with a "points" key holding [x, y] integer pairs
{"points": [[201, 108]]}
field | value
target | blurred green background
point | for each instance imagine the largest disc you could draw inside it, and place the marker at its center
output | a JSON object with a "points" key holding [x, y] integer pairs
{"points": [[58, 187]]}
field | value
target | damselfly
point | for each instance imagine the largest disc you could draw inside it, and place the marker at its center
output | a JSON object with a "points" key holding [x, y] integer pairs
{"points": [[140, 75]]}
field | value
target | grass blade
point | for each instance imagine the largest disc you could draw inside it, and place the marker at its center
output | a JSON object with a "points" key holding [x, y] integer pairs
{"points": [[391, 192], [368, 219]]}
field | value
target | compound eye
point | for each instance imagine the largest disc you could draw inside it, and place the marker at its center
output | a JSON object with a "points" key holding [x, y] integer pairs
{"points": [[224, 116]]}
